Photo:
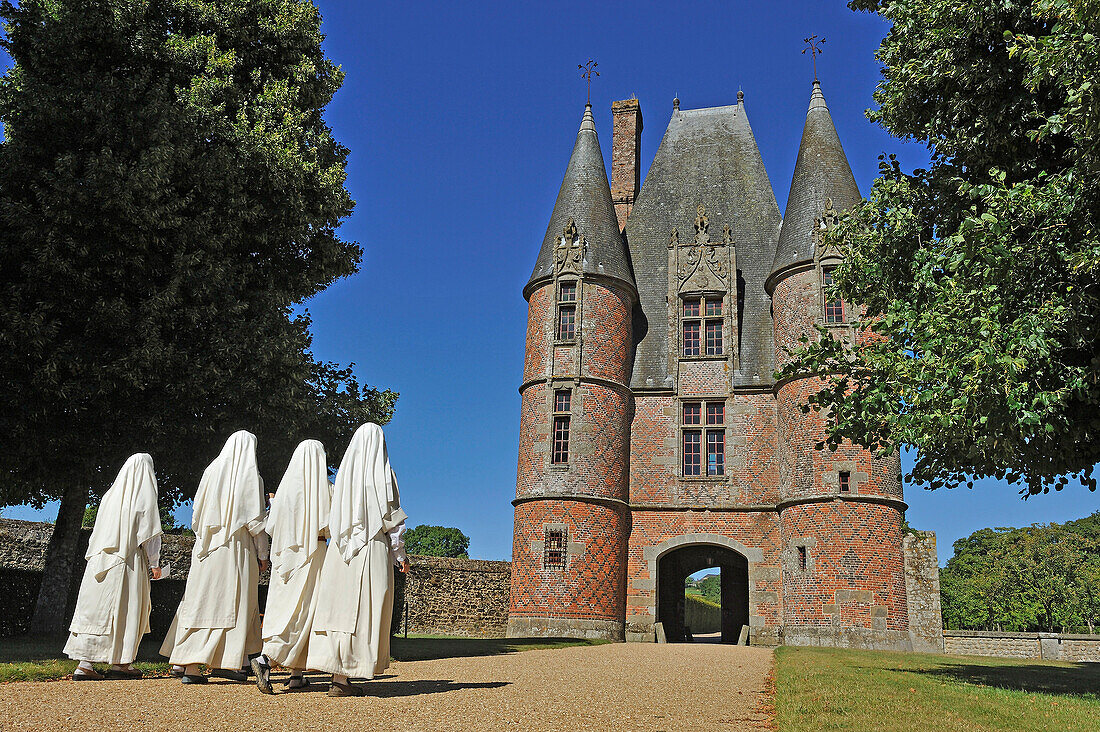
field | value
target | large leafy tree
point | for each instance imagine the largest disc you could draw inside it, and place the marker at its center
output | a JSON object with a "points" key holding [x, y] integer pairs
{"points": [[979, 276], [1038, 578], [169, 195], [437, 541]]}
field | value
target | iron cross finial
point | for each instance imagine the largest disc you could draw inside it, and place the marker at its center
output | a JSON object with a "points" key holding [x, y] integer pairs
{"points": [[814, 47], [587, 70]]}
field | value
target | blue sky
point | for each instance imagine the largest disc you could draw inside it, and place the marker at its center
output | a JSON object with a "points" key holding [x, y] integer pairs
{"points": [[460, 118]]}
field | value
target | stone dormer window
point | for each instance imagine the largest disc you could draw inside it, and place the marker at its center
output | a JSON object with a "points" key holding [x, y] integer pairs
{"points": [[703, 428], [702, 326], [833, 307], [562, 412], [567, 311]]}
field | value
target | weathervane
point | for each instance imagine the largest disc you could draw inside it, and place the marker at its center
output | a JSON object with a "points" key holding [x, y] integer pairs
{"points": [[814, 47], [589, 68]]}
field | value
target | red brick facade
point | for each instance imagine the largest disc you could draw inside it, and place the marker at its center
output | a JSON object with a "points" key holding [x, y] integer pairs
{"points": [[812, 537]]}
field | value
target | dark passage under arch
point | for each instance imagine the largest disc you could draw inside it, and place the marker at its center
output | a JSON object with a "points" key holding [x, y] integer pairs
{"points": [[675, 566]]}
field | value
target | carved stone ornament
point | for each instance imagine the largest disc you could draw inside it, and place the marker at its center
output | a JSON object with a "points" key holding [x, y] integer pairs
{"points": [[702, 223], [569, 255], [824, 223], [705, 266], [727, 235], [674, 239]]}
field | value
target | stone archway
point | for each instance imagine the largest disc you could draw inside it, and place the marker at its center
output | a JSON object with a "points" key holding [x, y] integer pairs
{"points": [[671, 561]]}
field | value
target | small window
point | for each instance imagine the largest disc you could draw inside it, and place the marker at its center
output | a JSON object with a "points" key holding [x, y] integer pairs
{"points": [[567, 292], [567, 319], [845, 481], [802, 558], [691, 338], [716, 413], [692, 413], [562, 399], [834, 308], [692, 456], [702, 326], [555, 549]]}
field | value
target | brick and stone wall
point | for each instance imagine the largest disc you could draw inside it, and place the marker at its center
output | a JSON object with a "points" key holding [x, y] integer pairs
{"points": [[1046, 646], [462, 597]]}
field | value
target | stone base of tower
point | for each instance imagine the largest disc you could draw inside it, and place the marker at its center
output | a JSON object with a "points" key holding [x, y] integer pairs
{"points": [[525, 626], [840, 637]]}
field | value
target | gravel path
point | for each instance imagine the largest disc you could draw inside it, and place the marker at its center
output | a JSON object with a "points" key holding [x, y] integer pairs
{"points": [[623, 686]]}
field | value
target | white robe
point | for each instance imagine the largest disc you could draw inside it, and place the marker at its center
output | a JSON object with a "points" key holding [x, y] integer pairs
{"points": [[113, 606], [218, 620], [299, 515], [351, 626]]}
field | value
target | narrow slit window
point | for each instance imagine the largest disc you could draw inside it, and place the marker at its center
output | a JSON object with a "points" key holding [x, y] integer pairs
{"points": [[555, 551], [845, 481], [834, 307], [802, 558]]}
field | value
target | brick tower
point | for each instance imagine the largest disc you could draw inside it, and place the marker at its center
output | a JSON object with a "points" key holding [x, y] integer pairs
{"points": [[571, 513], [840, 512]]}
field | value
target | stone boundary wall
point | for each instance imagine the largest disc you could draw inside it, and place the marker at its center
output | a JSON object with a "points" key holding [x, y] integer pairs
{"points": [[463, 597], [922, 591], [1046, 646]]}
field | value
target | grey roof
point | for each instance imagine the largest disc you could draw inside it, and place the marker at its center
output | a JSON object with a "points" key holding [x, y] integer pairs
{"points": [[708, 157], [822, 172], [585, 197]]}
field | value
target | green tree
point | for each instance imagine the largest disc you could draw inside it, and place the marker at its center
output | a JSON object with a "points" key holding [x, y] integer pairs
{"points": [[169, 196], [711, 587], [437, 541], [980, 276]]}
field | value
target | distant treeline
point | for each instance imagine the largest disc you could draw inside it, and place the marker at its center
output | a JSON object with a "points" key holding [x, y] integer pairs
{"points": [[1044, 577]]}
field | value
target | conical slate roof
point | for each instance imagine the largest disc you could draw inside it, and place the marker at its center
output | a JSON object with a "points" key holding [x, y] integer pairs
{"points": [[585, 197], [821, 173], [709, 157]]}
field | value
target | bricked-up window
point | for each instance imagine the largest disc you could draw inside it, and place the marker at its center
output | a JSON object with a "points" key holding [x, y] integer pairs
{"points": [[845, 480], [562, 403], [555, 549], [702, 326], [834, 308], [694, 434], [802, 558]]}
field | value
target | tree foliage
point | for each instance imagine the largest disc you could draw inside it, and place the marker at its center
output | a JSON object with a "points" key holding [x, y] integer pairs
{"points": [[1038, 578], [169, 196], [437, 541], [980, 276]]}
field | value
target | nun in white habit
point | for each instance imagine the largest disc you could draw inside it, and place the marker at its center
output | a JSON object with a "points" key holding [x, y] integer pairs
{"points": [[351, 626], [297, 524], [112, 609], [218, 620]]}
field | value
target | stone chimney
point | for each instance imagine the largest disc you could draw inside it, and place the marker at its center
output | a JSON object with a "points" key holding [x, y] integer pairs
{"points": [[626, 148]]}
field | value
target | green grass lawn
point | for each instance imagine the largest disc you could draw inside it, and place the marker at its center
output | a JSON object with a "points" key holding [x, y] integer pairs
{"points": [[40, 659], [830, 689]]}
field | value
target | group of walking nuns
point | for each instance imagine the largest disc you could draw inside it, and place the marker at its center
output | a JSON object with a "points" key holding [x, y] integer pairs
{"points": [[332, 553]]}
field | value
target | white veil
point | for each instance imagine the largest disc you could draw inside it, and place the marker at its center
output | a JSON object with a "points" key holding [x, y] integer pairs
{"points": [[300, 509], [365, 496], [128, 515], [229, 495]]}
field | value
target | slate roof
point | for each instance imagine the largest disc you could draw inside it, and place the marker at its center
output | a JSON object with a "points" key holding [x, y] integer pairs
{"points": [[585, 197], [709, 157], [821, 172]]}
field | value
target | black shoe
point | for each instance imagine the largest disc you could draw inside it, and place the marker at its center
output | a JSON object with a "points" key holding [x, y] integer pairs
{"points": [[263, 675], [225, 673], [193, 679]]}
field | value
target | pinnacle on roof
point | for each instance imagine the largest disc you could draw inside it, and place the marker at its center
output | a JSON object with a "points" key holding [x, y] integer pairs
{"points": [[821, 173], [585, 200]]}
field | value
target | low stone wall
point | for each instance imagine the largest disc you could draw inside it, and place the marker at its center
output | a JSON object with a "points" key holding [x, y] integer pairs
{"points": [[466, 597], [461, 597], [1047, 646]]}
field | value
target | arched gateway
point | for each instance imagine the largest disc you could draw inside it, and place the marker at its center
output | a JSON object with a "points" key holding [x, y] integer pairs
{"points": [[677, 564]]}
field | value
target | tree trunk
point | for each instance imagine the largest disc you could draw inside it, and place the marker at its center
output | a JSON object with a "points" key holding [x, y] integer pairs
{"points": [[51, 611]]}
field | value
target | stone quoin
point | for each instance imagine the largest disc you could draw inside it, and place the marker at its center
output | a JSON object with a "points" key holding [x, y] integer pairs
{"points": [[655, 440]]}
